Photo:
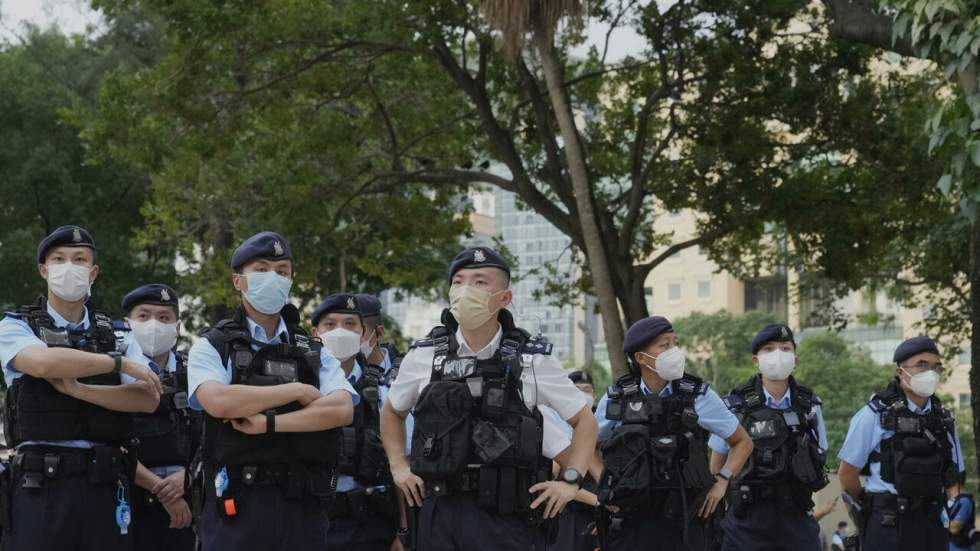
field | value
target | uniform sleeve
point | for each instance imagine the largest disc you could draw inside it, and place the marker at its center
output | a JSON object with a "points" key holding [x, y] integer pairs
{"points": [[552, 387], [332, 376], [718, 444], [821, 428], [203, 365], [965, 512], [957, 450], [15, 335], [605, 425], [714, 416], [133, 352], [557, 433], [860, 439], [412, 376]]}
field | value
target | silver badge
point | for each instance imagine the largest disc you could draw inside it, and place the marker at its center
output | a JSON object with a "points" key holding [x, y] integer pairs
{"points": [[76, 236], [782, 331], [277, 248], [164, 295], [350, 303], [636, 406], [478, 256]]}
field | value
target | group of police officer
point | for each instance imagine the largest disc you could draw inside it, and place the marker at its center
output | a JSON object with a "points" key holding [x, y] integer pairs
{"points": [[267, 437]]}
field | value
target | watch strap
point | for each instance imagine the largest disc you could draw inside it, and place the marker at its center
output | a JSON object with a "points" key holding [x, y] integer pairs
{"points": [[270, 421]]}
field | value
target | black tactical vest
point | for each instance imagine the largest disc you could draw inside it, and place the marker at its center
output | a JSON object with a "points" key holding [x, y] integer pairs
{"points": [[657, 447], [362, 455], [34, 410], [917, 458], [165, 435], [786, 442], [472, 414], [272, 364]]}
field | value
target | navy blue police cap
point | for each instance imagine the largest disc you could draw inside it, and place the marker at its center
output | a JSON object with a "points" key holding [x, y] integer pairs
{"points": [[65, 236], [154, 293], [337, 303], [478, 257], [774, 332], [913, 346], [369, 305], [644, 331], [582, 377], [265, 244]]}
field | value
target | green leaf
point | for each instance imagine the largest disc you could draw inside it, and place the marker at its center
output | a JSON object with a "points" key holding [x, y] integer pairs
{"points": [[962, 42], [944, 183], [975, 153], [900, 27]]}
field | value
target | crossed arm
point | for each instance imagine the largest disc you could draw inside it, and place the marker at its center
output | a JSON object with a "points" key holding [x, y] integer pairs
{"points": [[245, 406]]}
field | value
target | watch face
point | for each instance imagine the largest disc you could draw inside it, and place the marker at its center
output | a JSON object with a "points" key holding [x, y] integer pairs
{"points": [[571, 476]]}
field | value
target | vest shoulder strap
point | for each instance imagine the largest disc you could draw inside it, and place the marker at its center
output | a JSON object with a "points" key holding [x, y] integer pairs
{"points": [[538, 344], [223, 335], [883, 399], [690, 385]]}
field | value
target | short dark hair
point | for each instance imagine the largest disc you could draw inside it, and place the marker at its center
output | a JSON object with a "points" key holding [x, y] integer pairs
{"points": [[842, 524]]}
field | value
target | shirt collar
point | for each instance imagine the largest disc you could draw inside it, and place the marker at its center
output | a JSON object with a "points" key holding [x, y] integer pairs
{"points": [[171, 366], [60, 321], [914, 408], [666, 391], [484, 353], [355, 373], [258, 334], [785, 403]]}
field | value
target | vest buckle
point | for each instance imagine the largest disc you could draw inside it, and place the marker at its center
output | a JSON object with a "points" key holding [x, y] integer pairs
{"points": [[51, 463]]}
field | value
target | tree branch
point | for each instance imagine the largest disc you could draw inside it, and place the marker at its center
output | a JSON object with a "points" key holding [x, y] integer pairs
{"points": [[858, 21]]}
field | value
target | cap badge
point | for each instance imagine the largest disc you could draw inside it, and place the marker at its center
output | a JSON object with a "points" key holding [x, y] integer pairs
{"points": [[164, 295], [350, 303], [277, 248], [478, 256], [76, 236], [783, 333]]}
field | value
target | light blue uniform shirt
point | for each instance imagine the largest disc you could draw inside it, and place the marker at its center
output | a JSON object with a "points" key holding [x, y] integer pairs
{"points": [[713, 416], [865, 435], [719, 445], [204, 364], [964, 515], [16, 335]]}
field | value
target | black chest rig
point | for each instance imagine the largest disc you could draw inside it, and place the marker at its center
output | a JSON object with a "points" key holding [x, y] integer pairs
{"points": [[362, 455], [297, 360], [917, 458], [786, 443], [473, 431], [165, 435], [34, 410], [658, 446]]}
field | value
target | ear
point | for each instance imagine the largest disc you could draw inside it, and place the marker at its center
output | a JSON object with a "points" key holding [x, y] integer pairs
{"points": [[506, 298], [755, 360], [315, 332], [94, 274], [43, 270], [240, 282], [379, 331], [638, 357]]}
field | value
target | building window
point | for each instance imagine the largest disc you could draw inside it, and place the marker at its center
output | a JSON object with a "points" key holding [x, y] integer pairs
{"points": [[965, 356], [704, 289], [674, 292], [964, 400]]}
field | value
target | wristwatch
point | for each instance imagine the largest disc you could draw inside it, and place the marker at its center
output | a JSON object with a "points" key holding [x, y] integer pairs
{"points": [[724, 473], [116, 361], [270, 421], [572, 476]]}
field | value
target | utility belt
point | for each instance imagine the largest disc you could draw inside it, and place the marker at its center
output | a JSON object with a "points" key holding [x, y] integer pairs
{"points": [[501, 489], [103, 465], [316, 482], [371, 500], [742, 495], [892, 506]]}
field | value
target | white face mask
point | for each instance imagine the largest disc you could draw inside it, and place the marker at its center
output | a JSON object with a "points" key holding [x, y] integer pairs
{"points": [[777, 365], [154, 337], [670, 364], [924, 384], [366, 346], [341, 343], [69, 281]]}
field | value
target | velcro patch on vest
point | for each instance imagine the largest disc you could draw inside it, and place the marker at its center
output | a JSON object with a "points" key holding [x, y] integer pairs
{"points": [[458, 368], [538, 346]]}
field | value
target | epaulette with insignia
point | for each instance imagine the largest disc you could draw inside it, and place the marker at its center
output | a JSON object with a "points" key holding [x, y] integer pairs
{"points": [[733, 401], [422, 343], [118, 325]]}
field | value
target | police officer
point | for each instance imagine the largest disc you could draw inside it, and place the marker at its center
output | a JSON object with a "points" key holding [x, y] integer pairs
{"points": [[161, 514], [270, 395], [373, 349], [365, 512], [71, 389], [476, 454], [771, 498], [653, 427], [906, 444], [583, 381]]}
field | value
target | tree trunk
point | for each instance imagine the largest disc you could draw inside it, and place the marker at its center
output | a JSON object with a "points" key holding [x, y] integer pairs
{"points": [[612, 325], [975, 333], [633, 297]]}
